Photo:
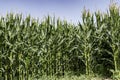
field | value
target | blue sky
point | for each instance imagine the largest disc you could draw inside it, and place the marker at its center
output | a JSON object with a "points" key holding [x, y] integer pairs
{"points": [[65, 9]]}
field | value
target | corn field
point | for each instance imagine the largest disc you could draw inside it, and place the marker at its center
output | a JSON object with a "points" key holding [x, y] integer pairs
{"points": [[30, 48]]}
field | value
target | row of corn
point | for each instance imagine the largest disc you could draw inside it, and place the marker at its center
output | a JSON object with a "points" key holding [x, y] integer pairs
{"points": [[30, 48]]}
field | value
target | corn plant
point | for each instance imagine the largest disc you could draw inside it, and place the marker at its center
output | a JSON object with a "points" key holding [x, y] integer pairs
{"points": [[30, 48]]}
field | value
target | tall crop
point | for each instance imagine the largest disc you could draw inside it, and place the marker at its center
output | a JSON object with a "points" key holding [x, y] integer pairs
{"points": [[30, 48]]}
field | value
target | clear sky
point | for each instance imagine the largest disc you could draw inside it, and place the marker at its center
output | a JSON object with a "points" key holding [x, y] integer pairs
{"points": [[65, 9]]}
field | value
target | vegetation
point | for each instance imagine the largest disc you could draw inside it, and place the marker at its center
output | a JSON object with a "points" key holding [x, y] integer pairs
{"points": [[30, 49]]}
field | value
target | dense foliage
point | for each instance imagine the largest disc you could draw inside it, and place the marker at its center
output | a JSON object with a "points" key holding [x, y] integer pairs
{"points": [[30, 49]]}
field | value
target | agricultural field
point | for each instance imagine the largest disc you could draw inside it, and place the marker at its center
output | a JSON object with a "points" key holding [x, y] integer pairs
{"points": [[53, 49]]}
